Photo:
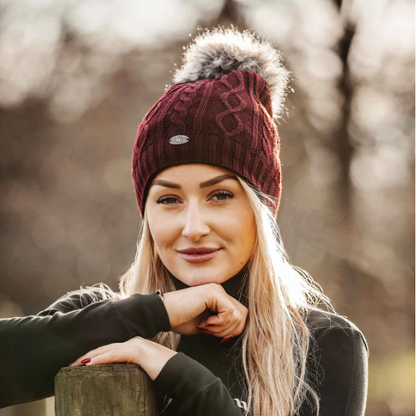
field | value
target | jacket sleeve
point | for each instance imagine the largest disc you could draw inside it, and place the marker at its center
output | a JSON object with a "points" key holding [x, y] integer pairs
{"points": [[34, 348], [343, 373], [342, 359], [194, 390]]}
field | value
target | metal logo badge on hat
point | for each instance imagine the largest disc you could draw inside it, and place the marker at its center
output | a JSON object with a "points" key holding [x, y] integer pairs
{"points": [[179, 139]]}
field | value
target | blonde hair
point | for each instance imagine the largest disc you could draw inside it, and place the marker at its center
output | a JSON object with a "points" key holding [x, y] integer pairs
{"points": [[276, 341]]}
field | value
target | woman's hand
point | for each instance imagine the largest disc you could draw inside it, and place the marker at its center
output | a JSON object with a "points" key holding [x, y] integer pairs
{"points": [[205, 304], [147, 354]]}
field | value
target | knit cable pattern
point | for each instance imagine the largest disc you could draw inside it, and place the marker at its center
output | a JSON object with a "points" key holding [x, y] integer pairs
{"points": [[232, 111]]}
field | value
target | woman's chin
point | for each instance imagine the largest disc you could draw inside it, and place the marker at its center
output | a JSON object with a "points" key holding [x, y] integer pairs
{"points": [[198, 278]]}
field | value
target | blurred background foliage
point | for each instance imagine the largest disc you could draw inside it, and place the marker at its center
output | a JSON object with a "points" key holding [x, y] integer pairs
{"points": [[76, 78]]}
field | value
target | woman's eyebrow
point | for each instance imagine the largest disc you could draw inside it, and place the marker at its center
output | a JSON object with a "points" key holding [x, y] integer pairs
{"points": [[205, 184]]}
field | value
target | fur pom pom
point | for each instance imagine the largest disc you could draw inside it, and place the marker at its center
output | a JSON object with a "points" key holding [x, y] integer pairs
{"points": [[219, 51]]}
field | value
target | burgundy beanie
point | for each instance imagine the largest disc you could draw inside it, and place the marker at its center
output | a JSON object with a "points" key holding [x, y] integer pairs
{"points": [[221, 110]]}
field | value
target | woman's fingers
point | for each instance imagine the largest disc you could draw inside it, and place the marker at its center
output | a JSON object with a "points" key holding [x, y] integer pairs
{"points": [[233, 324], [92, 353], [113, 356], [129, 349], [187, 307], [223, 330], [225, 306]]}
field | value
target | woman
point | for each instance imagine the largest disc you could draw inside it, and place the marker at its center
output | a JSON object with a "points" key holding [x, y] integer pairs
{"points": [[236, 330]]}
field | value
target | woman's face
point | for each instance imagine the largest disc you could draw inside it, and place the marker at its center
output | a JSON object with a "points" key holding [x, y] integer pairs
{"points": [[187, 208]]}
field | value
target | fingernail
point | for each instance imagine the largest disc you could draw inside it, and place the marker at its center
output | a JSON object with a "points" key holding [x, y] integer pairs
{"points": [[86, 360], [226, 339]]}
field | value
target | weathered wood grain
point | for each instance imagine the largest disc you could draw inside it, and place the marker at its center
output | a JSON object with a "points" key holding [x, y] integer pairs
{"points": [[104, 390]]}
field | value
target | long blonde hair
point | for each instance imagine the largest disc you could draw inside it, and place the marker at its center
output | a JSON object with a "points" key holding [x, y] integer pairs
{"points": [[276, 341]]}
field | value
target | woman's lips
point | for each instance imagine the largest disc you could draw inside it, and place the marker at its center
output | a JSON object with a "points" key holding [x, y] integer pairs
{"points": [[199, 258]]}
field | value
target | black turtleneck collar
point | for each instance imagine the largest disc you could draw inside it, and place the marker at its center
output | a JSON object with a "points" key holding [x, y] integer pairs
{"points": [[236, 286]]}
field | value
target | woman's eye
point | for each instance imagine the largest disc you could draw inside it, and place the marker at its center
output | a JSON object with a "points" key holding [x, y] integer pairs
{"points": [[225, 194], [217, 194], [161, 200]]}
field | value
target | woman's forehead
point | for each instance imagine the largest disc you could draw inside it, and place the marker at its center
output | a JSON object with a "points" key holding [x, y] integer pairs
{"points": [[191, 171]]}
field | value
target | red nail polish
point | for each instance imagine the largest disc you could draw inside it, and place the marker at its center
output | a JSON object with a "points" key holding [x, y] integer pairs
{"points": [[86, 360], [226, 339]]}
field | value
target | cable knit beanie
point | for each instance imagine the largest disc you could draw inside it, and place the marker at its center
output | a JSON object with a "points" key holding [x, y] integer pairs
{"points": [[220, 110]]}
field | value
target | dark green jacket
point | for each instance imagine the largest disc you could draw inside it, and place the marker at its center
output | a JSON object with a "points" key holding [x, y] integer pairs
{"points": [[204, 379]]}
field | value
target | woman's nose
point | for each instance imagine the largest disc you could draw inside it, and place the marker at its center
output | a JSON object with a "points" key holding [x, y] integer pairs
{"points": [[195, 224]]}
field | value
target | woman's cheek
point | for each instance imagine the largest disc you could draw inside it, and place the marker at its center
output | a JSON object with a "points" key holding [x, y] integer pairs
{"points": [[164, 236]]}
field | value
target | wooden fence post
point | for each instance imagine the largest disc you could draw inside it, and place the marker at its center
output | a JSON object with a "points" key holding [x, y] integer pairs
{"points": [[105, 390]]}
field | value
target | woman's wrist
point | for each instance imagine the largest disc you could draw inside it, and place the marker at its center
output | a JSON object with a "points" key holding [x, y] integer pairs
{"points": [[152, 357]]}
